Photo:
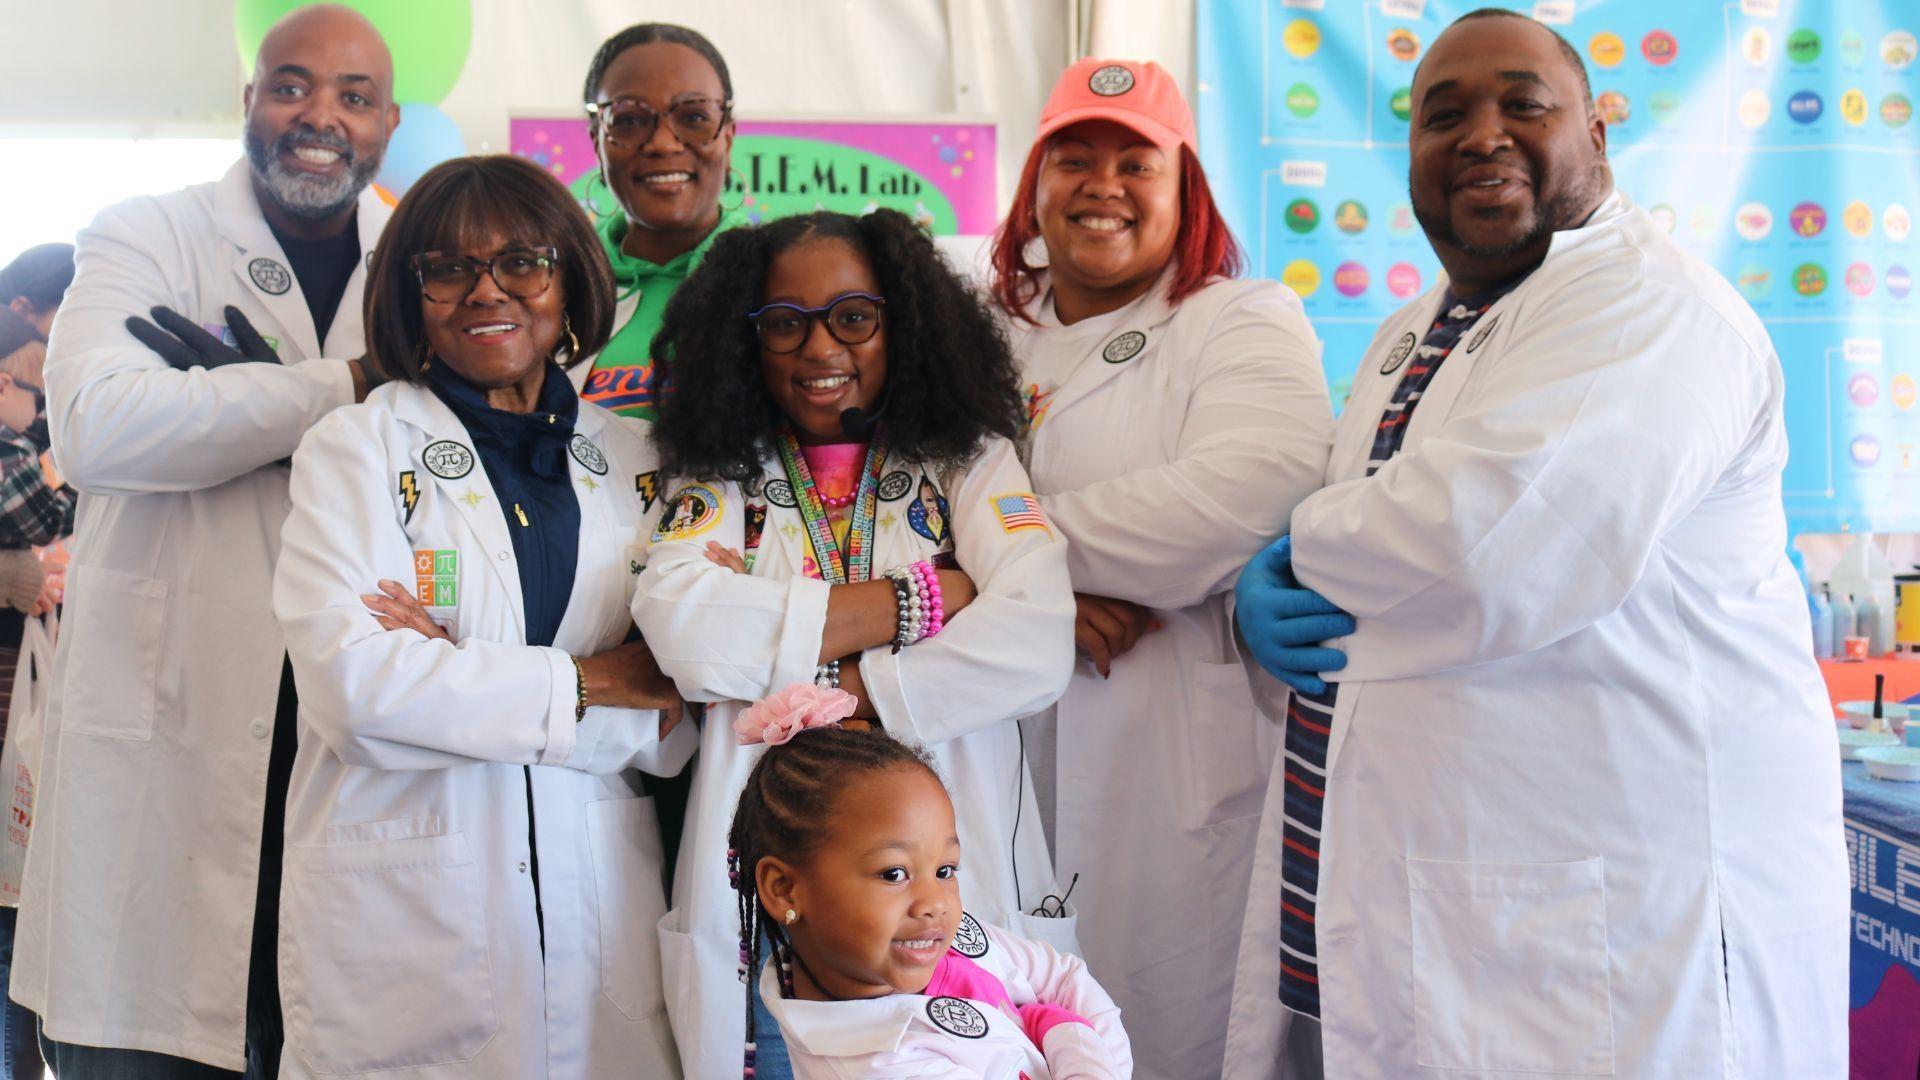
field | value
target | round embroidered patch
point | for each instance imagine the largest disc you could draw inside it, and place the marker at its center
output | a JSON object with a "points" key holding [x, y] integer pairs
{"points": [[894, 486], [588, 455], [1124, 348], [1482, 335], [956, 1016], [1110, 81], [270, 276], [447, 459], [691, 511], [970, 940], [780, 493], [1401, 350]]}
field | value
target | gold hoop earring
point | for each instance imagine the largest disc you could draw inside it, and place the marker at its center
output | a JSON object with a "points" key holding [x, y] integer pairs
{"points": [[426, 357], [724, 208], [573, 340], [593, 207]]}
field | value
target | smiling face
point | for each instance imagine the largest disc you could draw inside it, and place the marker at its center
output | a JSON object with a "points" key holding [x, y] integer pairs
{"points": [[669, 191], [880, 896], [1108, 202], [815, 383], [490, 338], [319, 112], [1504, 150]]}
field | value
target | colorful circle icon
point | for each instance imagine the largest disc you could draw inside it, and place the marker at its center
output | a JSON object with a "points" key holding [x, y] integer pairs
{"points": [[1704, 221], [1612, 106], [1303, 100], [1756, 46], [1897, 222], [1863, 390], [1864, 450], [1606, 49], [1853, 107], [1350, 217], [1807, 220], [1401, 103], [1302, 276], [1301, 38], [1904, 390], [1859, 279], [1899, 283], [1803, 46], [1350, 279], [1664, 217], [1403, 280], [1852, 47], [1805, 107], [1754, 108], [1659, 47], [1809, 279], [1897, 49], [1403, 43], [1401, 219], [1302, 216], [1857, 218], [1895, 110], [1753, 221], [1664, 106], [1754, 281]]}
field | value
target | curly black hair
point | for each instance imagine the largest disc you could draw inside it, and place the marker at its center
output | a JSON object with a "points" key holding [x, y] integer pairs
{"points": [[951, 379]]}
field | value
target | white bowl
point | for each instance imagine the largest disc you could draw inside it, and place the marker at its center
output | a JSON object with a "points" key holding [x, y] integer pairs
{"points": [[1852, 742], [1860, 713], [1891, 762]]}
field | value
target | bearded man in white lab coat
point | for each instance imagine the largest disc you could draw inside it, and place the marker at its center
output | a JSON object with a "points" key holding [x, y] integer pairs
{"points": [[153, 874], [1573, 804]]}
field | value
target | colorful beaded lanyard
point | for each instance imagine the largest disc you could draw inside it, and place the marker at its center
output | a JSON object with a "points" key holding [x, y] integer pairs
{"points": [[857, 563]]}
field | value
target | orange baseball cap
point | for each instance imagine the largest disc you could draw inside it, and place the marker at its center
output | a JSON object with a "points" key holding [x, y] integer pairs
{"points": [[1138, 94]]}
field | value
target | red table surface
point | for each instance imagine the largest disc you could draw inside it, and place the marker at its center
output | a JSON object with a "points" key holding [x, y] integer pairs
{"points": [[1854, 681]]}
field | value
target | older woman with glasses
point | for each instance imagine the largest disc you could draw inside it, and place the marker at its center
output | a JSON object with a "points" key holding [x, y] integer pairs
{"points": [[472, 878], [660, 106]]}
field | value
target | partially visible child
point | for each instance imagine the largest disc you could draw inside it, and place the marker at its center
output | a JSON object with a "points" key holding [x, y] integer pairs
{"points": [[845, 857]]}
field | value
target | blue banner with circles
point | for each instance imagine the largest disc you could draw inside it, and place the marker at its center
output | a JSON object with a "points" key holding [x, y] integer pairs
{"points": [[1773, 138]]}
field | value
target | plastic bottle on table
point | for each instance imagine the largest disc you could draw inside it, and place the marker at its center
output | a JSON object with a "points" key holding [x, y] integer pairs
{"points": [[1843, 622], [1872, 627], [1821, 611]]}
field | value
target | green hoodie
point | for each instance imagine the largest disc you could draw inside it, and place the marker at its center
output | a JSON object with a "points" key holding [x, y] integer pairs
{"points": [[623, 371]]}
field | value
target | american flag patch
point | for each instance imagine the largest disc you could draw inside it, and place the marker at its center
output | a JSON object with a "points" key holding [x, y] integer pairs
{"points": [[1020, 511]]}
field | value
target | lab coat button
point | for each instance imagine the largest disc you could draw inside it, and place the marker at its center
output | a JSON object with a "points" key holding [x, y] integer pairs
{"points": [[260, 728], [503, 556], [523, 868]]}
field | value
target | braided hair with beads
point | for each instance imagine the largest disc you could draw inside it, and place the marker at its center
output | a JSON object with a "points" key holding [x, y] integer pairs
{"points": [[788, 795]]}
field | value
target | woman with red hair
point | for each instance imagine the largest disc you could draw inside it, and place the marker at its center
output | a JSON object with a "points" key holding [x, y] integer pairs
{"points": [[1175, 415]]}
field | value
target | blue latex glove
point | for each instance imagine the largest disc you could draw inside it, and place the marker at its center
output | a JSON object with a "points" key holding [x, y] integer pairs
{"points": [[1283, 624]]}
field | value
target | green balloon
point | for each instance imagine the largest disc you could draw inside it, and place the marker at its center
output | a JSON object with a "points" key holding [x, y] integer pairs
{"points": [[428, 39]]}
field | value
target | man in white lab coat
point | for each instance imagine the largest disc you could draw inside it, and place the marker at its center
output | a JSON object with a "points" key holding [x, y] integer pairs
{"points": [[1573, 806], [146, 936]]}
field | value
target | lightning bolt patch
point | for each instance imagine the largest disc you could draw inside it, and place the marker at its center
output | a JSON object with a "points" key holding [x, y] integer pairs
{"points": [[647, 485], [409, 495]]}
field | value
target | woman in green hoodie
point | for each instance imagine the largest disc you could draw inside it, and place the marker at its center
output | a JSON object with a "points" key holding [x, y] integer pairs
{"points": [[660, 107]]}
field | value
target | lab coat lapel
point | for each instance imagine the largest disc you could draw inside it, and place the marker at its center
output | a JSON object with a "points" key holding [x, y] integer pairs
{"points": [[1481, 340], [589, 472], [449, 459], [262, 267], [1126, 346], [348, 320]]}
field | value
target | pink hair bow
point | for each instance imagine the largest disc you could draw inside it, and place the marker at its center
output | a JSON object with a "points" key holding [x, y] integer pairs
{"points": [[783, 714]]}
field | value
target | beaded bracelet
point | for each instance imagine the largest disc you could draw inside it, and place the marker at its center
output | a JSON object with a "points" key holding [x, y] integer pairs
{"points": [[930, 580], [909, 605], [827, 674], [579, 690]]}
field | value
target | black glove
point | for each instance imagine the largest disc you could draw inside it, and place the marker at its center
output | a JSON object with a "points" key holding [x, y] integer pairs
{"points": [[184, 345]]}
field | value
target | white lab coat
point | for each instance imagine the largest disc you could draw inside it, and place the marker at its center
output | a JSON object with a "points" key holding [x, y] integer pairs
{"points": [[138, 903], [906, 1035], [1166, 470], [408, 932], [732, 638], [1583, 810]]}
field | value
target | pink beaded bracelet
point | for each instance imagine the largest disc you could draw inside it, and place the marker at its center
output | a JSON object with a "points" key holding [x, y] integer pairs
{"points": [[935, 605]]}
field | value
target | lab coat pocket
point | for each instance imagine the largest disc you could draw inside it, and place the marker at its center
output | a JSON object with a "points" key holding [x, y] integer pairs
{"points": [[1510, 966], [1227, 770], [624, 838], [117, 623], [1057, 932], [371, 930]]}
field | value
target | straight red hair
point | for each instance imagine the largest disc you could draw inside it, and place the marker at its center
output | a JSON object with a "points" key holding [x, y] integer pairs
{"points": [[1203, 249]]}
